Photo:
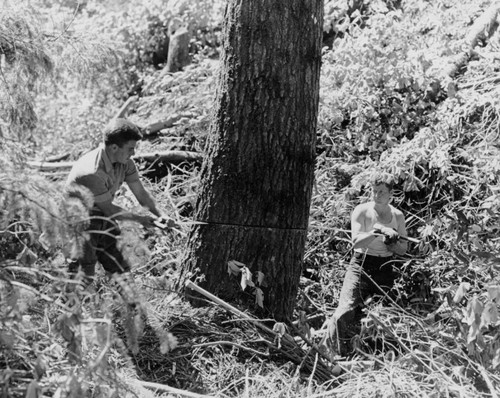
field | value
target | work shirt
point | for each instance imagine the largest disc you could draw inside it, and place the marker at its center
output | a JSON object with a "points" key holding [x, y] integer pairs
{"points": [[95, 171]]}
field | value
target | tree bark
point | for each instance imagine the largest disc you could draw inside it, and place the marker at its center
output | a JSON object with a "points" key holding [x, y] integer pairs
{"points": [[256, 182]]}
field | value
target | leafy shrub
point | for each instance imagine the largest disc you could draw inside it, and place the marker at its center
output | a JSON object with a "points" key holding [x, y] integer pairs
{"points": [[373, 88], [141, 29]]}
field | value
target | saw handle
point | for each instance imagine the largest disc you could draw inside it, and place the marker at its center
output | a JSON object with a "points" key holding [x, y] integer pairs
{"points": [[405, 238], [165, 223]]}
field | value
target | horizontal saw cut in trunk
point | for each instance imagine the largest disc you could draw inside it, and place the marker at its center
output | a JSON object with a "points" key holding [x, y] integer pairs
{"points": [[256, 181]]}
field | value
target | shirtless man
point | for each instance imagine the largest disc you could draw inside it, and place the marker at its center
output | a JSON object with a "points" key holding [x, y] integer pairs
{"points": [[375, 230]]}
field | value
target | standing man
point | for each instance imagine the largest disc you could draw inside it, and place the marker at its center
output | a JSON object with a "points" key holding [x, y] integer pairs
{"points": [[375, 230], [103, 171]]}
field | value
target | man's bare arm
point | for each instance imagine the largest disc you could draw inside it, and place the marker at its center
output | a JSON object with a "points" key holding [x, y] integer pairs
{"points": [[360, 237], [144, 197], [400, 246], [117, 213]]}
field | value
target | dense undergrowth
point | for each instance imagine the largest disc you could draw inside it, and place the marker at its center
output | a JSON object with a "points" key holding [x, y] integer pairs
{"points": [[384, 104]]}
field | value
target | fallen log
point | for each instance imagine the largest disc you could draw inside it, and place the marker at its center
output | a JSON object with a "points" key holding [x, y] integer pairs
{"points": [[57, 158], [49, 166], [156, 127], [481, 30], [170, 157]]}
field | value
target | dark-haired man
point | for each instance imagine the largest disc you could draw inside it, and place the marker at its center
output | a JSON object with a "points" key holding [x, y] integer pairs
{"points": [[103, 171], [375, 230]]}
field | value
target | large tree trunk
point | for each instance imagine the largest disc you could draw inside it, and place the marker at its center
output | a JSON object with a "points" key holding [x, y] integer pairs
{"points": [[257, 179]]}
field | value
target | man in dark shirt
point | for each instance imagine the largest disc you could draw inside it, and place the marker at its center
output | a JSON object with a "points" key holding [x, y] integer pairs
{"points": [[103, 171]]}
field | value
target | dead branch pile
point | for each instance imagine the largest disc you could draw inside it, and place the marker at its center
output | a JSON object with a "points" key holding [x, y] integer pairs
{"points": [[208, 334]]}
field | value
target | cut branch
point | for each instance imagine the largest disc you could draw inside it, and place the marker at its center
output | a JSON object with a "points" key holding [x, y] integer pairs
{"points": [[172, 390], [122, 112], [154, 128], [290, 348], [172, 157], [57, 158], [241, 347]]}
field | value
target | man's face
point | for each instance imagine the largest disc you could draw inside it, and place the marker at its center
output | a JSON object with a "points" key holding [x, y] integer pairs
{"points": [[123, 154], [381, 194]]}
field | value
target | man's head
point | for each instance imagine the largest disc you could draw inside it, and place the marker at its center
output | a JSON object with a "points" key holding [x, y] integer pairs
{"points": [[382, 186], [120, 138], [119, 131], [380, 178]]}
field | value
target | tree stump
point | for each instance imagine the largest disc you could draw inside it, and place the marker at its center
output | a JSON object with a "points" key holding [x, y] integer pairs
{"points": [[178, 50]]}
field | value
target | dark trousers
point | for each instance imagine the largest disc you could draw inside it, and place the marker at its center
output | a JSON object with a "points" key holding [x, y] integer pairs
{"points": [[101, 245], [366, 276]]}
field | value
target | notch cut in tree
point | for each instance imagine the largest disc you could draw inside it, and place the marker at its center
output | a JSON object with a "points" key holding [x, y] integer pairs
{"points": [[256, 181]]}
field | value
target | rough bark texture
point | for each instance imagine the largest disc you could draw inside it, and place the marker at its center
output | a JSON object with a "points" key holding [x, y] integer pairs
{"points": [[257, 179]]}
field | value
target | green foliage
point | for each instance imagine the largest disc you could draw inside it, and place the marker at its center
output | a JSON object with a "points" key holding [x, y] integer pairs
{"points": [[46, 317], [35, 216], [374, 83], [236, 268], [380, 109], [101, 53], [42, 50], [24, 58], [479, 325], [141, 29]]}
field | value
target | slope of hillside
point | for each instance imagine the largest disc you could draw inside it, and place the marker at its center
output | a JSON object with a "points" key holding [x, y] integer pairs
{"points": [[410, 87]]}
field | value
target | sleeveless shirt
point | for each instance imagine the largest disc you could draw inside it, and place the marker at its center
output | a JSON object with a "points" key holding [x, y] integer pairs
{"points": [[377, 246]]}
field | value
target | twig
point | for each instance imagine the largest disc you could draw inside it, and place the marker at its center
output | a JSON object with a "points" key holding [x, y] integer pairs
{"points": [[32, 290], [124, 108], [323, 372], [491, 80], [312, 345], [309, 385], [66, 28], [487, 380], [232, 344], [230, 308], [107, 346], [408, 351], [173, 390]]}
